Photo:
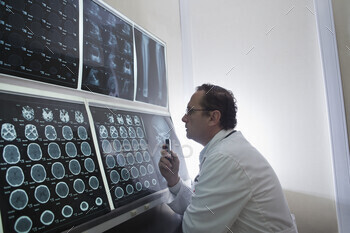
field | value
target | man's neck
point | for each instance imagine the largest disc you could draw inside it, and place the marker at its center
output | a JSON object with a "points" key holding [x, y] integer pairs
{"points": [[211, 134]]}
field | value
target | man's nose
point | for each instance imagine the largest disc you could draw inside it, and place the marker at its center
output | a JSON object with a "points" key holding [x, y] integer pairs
{"points": [[184, 118]]}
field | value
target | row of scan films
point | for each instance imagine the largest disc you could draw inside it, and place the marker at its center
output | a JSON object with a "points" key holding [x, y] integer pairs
{"points": [[40, 41], [51, 175]]}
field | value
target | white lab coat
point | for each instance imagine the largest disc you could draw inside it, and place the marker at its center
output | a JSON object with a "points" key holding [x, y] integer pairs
{"points": [[237, 191]]}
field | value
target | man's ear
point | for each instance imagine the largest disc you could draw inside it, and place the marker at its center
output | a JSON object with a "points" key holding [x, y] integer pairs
{"points": [[215, 117]]}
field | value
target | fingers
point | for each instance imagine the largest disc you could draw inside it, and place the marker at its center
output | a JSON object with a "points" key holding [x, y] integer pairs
{"points": [[164, 162], [174, 155], [165, 153]]}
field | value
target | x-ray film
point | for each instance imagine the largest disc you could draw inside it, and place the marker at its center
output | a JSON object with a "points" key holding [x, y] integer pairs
{"points": [[49, 174], [151, 70], [39, 40], [123, 142], [108, 53], [158, 129]]}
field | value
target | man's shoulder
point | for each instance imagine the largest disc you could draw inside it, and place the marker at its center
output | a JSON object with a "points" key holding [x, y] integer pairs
{"points": [[230, 145], [234, 148]]}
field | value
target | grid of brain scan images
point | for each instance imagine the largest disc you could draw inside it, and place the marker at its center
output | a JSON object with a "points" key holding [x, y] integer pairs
{"points": [[151, 72], [39, 40], [108, 53], [49, 174], [123, 143]]}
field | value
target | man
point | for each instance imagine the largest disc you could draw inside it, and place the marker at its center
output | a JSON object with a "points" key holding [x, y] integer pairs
{"points": [[236, 189]]}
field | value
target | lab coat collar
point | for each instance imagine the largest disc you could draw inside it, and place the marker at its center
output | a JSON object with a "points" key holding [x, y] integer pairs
{"points": [[218, 137]]}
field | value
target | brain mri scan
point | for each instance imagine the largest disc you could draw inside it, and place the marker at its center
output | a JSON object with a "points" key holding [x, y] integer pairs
{"points": [[84, 206], [8, 132], [110, 118], [50, 132], [23, 224], [120, 119], [123, 132], [113, 131], [47, 217], [64, 115], [67, 211], [18, 199], [57, 170], [126, 145], [132, 132], [67, 132], [79, 186], [42, 194], [85, 148], [47, 114], [135, 145], [79, 117], [93, 182], [98, 201], [117, 146], [34, 151], [139, 132], [11, 154], [128, 120], [110, 161], [74, 167], [15, 176], [28, 113], [121, 160], [54, 150], [114, 176], [62, 189], [82, 133], [38, 173], [71, 149], [137, 121], [89, 165], [106, 146], [31, 132], [103, 131]]}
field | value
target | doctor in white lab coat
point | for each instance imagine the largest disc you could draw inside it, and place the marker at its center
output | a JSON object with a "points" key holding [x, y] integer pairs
{"points": [[236, 189]]}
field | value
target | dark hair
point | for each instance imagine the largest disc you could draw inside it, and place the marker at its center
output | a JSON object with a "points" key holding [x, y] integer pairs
{"points": [[218, 98]]}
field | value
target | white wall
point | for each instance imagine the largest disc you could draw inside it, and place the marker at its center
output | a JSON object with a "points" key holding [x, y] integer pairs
{"points": [[267, 53]]}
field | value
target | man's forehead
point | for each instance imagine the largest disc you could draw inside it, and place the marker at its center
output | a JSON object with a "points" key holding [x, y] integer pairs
{"points": [[196, 99]]}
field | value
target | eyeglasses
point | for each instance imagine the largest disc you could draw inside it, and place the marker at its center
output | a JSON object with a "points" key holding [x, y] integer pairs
{"points": [[190, 111]]}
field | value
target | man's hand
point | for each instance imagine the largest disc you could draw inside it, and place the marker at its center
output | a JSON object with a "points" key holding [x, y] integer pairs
{"points": [[169, 165]]}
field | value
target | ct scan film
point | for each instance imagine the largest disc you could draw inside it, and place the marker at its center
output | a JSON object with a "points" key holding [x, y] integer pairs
{"points": [[130, 169], [151, 70], [39, 40], [130, 144], [108, 53], [50, 179]]}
